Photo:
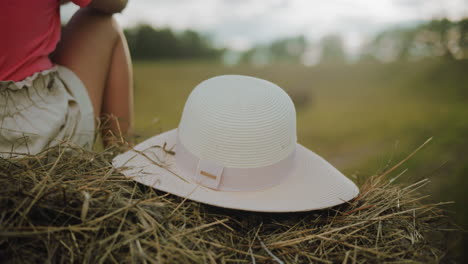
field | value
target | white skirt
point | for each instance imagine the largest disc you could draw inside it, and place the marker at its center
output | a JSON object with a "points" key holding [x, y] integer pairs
{"points": [[43, 110]]}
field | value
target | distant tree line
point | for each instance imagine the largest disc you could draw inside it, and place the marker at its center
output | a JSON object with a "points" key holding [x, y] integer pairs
{"points": [[148, 43], [288, 50], [437, 38]]}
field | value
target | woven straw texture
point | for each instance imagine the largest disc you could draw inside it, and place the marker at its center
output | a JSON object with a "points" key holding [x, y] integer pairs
{"points": [[239, 122]]}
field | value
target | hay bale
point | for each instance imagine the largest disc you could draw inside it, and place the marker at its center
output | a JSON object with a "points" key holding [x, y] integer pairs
{"points": [[70, 205]]}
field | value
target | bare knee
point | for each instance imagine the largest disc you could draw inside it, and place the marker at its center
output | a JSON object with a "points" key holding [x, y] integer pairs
{"points": [[95, 22], [87, 47]]}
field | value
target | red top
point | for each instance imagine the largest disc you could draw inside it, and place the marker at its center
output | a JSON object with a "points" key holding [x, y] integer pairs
{"points": [[29, 32]]}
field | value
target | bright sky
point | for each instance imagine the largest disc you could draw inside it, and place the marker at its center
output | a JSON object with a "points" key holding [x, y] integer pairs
{"points": [[240, 23]]}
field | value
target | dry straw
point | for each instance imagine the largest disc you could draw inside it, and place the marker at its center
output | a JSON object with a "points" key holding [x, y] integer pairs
{"points": [[67, 204]]}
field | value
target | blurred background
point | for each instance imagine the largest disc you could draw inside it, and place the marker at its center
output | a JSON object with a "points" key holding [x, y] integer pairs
{"points": [[371, 80]]}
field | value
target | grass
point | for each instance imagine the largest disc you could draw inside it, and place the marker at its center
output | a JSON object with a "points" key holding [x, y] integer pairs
{"points": [[348, 114]]}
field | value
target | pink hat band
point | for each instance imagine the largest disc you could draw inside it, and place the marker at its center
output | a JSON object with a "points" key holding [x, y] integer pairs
{"points": [[217, 177]]}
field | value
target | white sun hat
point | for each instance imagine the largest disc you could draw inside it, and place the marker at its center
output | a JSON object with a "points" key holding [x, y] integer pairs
{"points": [[236, 147]]}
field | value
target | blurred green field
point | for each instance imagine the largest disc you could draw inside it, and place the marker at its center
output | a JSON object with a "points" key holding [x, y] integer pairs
{"points": [[363, 118]]}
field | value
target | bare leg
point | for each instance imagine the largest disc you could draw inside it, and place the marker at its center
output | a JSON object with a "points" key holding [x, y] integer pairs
{"points": [[118, 93], [93, 46]]}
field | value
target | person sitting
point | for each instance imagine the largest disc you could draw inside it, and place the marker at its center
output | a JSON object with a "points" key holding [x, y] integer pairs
{"points": [[56, 86]]}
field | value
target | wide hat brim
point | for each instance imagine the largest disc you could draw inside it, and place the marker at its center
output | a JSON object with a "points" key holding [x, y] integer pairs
{"points": [[312, 184]]}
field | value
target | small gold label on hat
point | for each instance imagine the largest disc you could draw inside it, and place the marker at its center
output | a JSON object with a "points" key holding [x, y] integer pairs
{"points": [[209, 173], [204, 173]]}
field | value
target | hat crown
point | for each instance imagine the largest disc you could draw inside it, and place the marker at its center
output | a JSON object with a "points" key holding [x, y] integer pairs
{"points": [[239, 122]]}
